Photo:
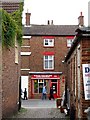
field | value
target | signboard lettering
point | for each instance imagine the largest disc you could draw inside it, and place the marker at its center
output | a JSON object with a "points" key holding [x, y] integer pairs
{"points": [[45, 77]]}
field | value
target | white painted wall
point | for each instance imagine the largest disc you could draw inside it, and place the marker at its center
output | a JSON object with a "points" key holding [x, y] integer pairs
{"points": [[24, 84], [89, 13]]}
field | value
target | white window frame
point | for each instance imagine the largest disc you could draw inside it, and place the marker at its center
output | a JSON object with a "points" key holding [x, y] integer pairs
{"points": [[69, 42], [49, 61], [48, 42]]}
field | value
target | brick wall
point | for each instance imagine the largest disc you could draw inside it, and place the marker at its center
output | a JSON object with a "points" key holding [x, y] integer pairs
{"points": [[25, 59], [34, 62], [85, 43], [25, 62], [75, 75], [0, 82], [10, 82], [37, 50]]}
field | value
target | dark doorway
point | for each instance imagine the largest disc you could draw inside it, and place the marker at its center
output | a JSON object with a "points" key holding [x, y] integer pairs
{"points": [[54, 86]]}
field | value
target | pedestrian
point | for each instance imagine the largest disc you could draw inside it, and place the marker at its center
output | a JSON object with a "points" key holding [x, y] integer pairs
{"points": [[51, 94], [25, 94], [44, 92]]}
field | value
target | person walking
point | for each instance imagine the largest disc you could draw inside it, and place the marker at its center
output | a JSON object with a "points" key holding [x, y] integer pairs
{"points": [[51, 94], [44, 92], [25, 94]]}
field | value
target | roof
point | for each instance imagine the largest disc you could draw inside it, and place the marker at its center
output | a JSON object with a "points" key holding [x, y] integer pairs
{"points": [[13, 1], [10, 5], [53, 30], [82, 32], [83, 29]]}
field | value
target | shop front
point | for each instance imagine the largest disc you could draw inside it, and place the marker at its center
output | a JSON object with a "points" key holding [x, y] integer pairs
{"points": [[38, 80]]}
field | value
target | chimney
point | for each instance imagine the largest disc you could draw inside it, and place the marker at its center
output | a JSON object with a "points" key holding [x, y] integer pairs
{"points": [[48, 22], [51, 22], [81, 20], [28, 19]]}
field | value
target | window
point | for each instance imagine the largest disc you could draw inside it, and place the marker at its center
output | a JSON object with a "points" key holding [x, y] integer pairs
{"points": [[49, 62], [35, 86], [49, 42], [38, 85], [69, 42]]}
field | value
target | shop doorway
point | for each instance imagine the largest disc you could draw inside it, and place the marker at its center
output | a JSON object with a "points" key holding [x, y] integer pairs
{"points": [[54, 86]]}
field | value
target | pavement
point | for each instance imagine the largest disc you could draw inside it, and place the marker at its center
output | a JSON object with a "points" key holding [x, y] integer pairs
{"points": [[38, 103], [37, 108]]}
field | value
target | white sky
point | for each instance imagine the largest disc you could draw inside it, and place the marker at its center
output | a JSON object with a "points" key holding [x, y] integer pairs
{"points": [[62, 12]]}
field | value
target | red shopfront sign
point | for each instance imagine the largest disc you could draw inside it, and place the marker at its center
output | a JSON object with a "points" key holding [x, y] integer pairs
{"points": [[45, 77]]}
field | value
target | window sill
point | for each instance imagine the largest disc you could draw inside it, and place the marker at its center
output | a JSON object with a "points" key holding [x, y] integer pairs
{"points": [[48, 46], [48, 69], [16, 63]]}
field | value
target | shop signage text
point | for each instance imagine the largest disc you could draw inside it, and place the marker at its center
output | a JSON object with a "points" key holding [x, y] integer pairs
{"points": [[45, 77]]}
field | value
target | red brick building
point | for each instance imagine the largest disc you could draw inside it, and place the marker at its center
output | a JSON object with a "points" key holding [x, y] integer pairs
{"points": [[78, 73], [10, 70], [43, 51]]}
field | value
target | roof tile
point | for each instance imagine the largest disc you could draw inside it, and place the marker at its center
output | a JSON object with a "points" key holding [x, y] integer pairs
{"points": [[50, 30]]}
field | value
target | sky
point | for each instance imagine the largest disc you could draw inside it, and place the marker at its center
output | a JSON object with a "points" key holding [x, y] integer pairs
{"points": [[62, 12]]}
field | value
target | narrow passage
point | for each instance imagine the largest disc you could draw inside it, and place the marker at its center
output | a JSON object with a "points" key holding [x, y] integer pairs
{"points": [[36, 108]]}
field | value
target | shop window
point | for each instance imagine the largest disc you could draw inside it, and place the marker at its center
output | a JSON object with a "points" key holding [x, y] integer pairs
{"points": [[35, 86], [38, 85], [48, 42]]}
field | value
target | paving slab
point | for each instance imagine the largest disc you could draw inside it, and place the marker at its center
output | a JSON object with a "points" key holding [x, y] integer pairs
{"points": [[39, 109], [38, 103]]}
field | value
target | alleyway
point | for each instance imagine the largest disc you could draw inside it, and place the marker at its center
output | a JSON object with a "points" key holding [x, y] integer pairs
{"points": [[40, 109]]}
